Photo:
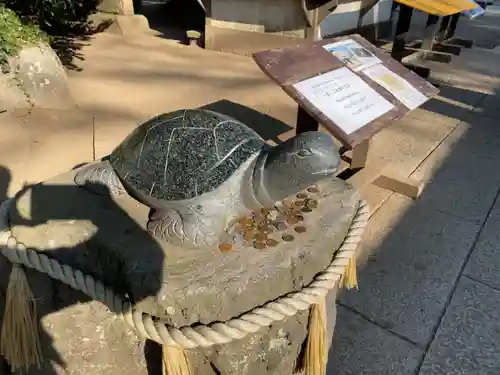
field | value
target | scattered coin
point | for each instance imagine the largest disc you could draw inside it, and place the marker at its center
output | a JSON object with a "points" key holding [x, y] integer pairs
{"points": [[266, 228], [247, 236], [281, 226], [300, 217], [288, 237], [258, 217], [300, 229], [302, 195], [313, 189], [260, 236], [292, 220], [299, 203], [259, 245], [225, 247], [306, 209], [271, 242], [311, 203], [245, 221], [265, 222]]}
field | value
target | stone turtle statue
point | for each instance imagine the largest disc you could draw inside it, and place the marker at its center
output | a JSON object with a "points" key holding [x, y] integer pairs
{"points": [[197, 170]]}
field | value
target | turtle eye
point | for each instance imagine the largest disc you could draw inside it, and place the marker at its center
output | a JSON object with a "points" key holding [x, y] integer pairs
{"points": [[304, 153]]}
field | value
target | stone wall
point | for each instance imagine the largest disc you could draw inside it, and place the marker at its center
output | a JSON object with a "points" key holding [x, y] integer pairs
{"points": [[347, 16], [120, 7], [282, 17], [35, 77]]}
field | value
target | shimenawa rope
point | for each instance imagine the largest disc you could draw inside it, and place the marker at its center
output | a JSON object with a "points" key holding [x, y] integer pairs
{"points": [[190, 337]]}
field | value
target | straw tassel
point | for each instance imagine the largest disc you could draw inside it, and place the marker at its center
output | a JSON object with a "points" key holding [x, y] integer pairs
{"points": [[175, 361], [20, 341], [350, 279], [316, 351]]}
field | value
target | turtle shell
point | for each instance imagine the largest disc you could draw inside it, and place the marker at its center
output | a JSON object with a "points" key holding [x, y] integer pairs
{"points": [[183, 154]]}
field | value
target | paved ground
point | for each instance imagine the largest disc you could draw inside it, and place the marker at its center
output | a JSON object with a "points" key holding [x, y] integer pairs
{"points": [[429, 292], [429, 284]]}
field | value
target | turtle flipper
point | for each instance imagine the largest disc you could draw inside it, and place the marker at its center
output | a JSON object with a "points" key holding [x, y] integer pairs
{"points": [[182, 228], [100, 178]]}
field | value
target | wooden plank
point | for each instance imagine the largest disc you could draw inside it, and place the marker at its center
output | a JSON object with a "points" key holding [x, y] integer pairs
{"points": [[406, 186], [402, 28], [366, 176], [439, 7], [360, 155]]}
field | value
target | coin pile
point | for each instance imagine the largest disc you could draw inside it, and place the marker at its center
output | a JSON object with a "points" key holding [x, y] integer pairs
{"points": [[268, 226]]}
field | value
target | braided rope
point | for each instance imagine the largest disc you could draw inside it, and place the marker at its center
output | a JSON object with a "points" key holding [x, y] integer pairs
{"points": [[190, 337]]}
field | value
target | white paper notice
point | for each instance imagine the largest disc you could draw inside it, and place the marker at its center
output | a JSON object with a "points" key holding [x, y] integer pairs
{"points": [[352, 54], [397, 86], [344, 98]]}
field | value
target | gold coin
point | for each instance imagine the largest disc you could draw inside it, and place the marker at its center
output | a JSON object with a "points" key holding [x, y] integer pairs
{"points": [[302, 195], [292, 220], [247, 236], [281, 226], [225, 247], [271, 242], [288, 237], [245, 221], [300, 229], [259, 245], [311, 203], [306, 209], [260, 236], [313, 189], [300, 217], [299, 202], [266, 229]]}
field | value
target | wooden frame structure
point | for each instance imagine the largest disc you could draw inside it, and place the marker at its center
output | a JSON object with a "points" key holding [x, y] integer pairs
{"points": [[289, 66]]}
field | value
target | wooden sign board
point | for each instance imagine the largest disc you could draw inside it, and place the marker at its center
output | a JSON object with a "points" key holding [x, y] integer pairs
{"points": [[347, 84], [439, 7]]}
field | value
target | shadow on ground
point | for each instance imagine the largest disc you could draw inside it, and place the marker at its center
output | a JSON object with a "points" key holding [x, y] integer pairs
{"points": [[69, 50], [484, 30], [414, 255], [269, 128], [172, 19], [92, 257]]}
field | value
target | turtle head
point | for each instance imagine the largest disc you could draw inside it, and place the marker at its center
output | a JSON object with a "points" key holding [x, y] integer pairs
{"points": [[298, 163]]}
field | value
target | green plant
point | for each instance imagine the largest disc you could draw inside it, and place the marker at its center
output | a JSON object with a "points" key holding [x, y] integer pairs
{"points": [[14, 34], [55, 17]]}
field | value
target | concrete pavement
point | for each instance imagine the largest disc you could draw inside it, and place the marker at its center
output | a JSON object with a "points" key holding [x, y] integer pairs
{"points": [[429, 291], [428, 269]]}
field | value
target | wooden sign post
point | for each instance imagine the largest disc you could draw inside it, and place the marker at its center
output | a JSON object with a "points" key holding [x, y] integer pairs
{"points": [[354, 90]]}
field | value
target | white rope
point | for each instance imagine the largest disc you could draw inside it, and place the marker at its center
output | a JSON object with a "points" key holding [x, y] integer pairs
{"points": [[189, 337]]}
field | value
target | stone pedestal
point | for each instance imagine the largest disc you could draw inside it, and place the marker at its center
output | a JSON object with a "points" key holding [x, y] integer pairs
{"points": [[120, 7], [121, 15], [107, 238]]}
